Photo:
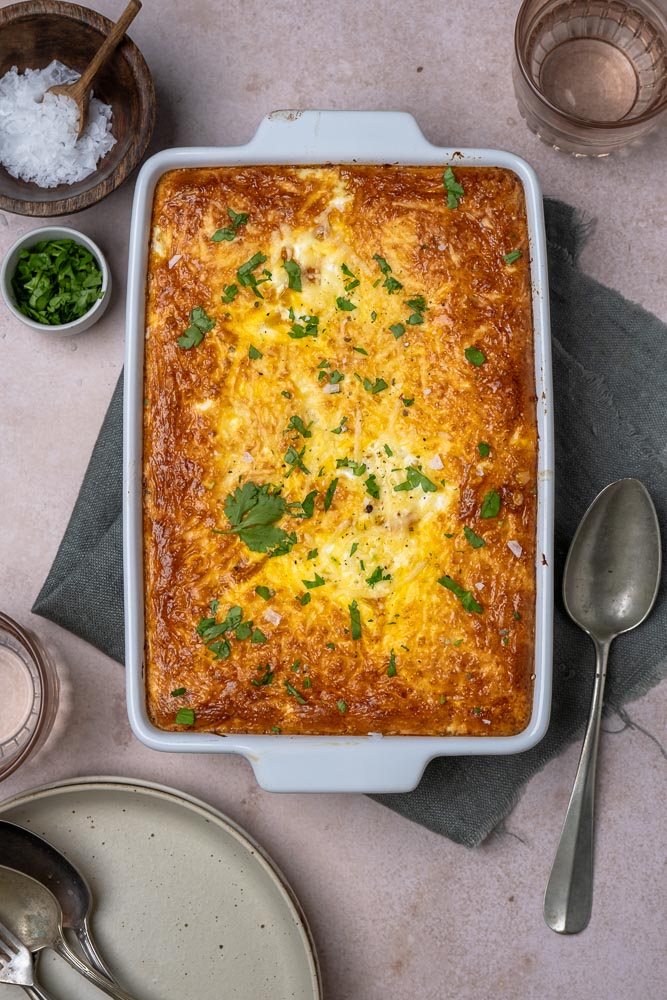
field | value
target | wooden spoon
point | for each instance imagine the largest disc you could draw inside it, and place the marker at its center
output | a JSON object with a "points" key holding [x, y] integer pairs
{"points": [[79, 91]]}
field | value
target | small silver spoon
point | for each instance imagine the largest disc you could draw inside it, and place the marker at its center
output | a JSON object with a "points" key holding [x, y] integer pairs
{"points": [[26, 852], [34, 915], [610, 584]]}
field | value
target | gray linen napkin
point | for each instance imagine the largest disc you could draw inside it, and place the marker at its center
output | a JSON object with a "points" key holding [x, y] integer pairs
{"points": [[610, 375]]}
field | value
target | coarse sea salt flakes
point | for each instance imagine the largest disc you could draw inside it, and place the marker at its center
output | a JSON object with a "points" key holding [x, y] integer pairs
{"points": [[38, 140]]}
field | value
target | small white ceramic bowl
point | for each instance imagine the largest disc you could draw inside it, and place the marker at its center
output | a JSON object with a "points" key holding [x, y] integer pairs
{"points": [[55, 233]]}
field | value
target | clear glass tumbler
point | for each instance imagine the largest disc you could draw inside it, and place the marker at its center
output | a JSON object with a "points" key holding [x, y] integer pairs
{"points": [[590, 78], [29, 688]]}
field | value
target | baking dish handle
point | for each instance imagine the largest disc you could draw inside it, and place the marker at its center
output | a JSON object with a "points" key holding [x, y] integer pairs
{"points": [[360, 764], [338, 136]]}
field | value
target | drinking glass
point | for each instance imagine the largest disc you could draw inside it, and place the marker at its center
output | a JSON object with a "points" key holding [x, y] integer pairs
{"points": [[590, 78]]}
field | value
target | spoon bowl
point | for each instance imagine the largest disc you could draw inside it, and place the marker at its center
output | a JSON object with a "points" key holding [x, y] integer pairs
{"points": [[26, 852], [612, 570], [610, 583], [33, 914]]}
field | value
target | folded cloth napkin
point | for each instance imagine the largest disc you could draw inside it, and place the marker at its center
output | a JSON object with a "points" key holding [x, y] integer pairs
{"points": [[610, 360]]}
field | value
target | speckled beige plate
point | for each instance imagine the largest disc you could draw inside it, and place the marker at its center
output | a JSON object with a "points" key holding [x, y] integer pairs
{"points": [[187, 905]]}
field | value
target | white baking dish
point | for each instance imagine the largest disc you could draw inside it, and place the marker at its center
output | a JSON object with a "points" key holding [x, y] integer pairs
{"points": [[314, 763]]}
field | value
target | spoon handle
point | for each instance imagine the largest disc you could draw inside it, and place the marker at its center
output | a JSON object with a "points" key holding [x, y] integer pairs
{"points": [[569, 895], [35, 992], [109, 44], [89, 947], [102, 983]]}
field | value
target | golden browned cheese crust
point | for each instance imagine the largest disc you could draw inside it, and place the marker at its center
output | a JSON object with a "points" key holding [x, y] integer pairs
{"points": [[390, 402]]}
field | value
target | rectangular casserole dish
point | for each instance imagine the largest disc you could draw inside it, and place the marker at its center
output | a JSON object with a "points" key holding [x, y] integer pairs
{"points": [[336, 763]]}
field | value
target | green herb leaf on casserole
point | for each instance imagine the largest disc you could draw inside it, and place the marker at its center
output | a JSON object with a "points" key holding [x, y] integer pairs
{"points": [[200, 324], [229, 232], [465, 596], [454, 190]]}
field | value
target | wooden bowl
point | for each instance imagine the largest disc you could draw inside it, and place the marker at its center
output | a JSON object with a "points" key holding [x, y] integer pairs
{"points": [[34, 33]]}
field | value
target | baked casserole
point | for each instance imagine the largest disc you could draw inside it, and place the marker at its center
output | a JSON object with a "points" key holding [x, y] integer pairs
{"points": [[339, 452]]}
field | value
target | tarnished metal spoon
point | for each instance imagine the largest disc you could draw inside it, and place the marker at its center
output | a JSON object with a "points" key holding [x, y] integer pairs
{"points": [[610, 584], [26, 852], [34, 915]]}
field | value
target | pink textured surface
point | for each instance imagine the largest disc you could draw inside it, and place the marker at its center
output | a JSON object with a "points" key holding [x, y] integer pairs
{"points": [[398, 912]]}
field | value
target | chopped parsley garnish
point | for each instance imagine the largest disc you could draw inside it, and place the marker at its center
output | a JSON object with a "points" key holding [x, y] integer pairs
{"points": [[252, 511], [374, 387], [264, 593], [286, 394], [516, 615], [341, 706], [214, 633], [312, 554], [228, 234], [330, 645], [254, 354], [244, 630], [308, 504], [415, 478], [355, 620], [358, 468], [295, 459], [306, 599], [391, 669], [200, 323], [329, 495], [185, 717], [398, 330], [390, 283], [477, 711], [307, 683], [276, 729], [335, 377], [355, 546], [56, 281], [258, 636], [388, 450], [296, 424], [266, 678], [377, 576], [512, 257], [293, 691], [293, 275], [319, 581], [230, 292], [307, 328], [246, 276], [352, 280], [464, 596], [476, 541], [419, 307], [344, 304], [474, 356], [178, 692], [483, 448], [374, 316], [372, 487], [491, 504], [454, 190], [407, 402], [360, 350], [341, 427]]}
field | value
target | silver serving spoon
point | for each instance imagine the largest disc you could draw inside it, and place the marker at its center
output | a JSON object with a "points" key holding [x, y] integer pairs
{"points": [[610, 584], [34, 915], [26, 852]]}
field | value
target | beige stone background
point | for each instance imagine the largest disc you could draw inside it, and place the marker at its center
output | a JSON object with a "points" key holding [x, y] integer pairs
{"points": [[398, 913]]}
